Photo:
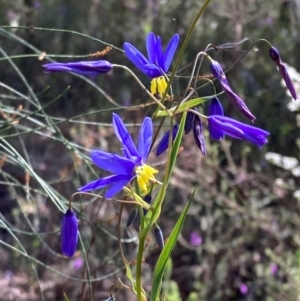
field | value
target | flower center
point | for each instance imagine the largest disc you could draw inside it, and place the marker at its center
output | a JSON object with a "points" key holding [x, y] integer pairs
{"points": [[145, 174], [158, 85]]}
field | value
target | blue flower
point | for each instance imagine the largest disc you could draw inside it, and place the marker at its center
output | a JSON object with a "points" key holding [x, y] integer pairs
{"points": [[238, 130], [83, 67], [131, 165], [215, 108], [219, 74], [158, 62], [69, 233], [275, 56]]}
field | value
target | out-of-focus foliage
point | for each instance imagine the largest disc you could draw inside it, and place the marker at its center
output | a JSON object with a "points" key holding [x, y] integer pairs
{"points": [[246, 209]]}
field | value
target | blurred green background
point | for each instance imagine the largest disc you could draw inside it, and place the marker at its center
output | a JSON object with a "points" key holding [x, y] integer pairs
{"points": [[241, 238]]}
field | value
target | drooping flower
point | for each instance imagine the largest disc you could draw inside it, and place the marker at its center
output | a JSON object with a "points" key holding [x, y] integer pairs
{"points": [[158, 62], [164, 142], [69, 233], [131, 165], [215, 108], [219, 74], [82, 67], [238, 129], [275, 56]]}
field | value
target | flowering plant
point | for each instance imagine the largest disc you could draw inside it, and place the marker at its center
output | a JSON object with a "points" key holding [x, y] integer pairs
{"points": [[136, 177]]}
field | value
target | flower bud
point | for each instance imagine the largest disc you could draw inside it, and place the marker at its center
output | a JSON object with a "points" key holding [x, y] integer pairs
{"points": [[219, 74], [275, 56], [82, 67], [69, 233]]}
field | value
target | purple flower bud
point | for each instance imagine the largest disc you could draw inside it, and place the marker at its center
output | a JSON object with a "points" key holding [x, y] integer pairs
{"points": [[198, 135], [189, 122], [275, 56], [159, 237], [82, 67], [131, 217], [215, 108], [238, 130], [164, 142], [219, 74], [69, 233]]}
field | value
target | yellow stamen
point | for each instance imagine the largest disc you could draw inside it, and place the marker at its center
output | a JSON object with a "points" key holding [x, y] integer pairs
{"points": [[145, 175], [158, 85]]}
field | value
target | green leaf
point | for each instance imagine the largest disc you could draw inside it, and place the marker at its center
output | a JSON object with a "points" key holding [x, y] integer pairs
{"points": [[186, 105], [166, 253]]}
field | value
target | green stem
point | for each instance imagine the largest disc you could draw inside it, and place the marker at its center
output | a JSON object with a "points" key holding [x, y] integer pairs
{"points": [[139, 268]]}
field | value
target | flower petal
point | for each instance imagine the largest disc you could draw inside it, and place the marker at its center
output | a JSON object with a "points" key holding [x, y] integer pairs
{"points": [[189, 122], [116, 187], [152, 70], [135, 56], [101, 183], [169, 52], [112, 162], [215, 108], [151, 45], [145, 138], [124, 137]]}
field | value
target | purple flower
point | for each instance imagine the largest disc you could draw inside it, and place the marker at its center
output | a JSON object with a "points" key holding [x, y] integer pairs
{"points": [[198, 135], [219, 74], [238, 130], [195, 239], [275, 56], [158, 62], [215, 108], [164, 142], [69, 233], [274, 269], [243, 289], [83, 67], [130, 166]]}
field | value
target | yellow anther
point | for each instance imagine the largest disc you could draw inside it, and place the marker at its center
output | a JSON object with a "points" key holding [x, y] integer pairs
{"points": [[158, 85], [145, 175]]}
